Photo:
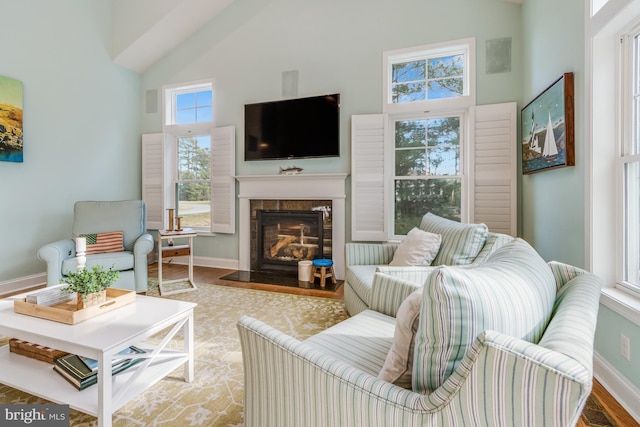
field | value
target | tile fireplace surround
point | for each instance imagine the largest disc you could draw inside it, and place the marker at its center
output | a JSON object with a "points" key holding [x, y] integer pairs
{"points": [[293, 187]]}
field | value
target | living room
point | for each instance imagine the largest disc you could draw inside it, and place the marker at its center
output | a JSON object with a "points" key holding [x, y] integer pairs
{"points": [[84, 113]]}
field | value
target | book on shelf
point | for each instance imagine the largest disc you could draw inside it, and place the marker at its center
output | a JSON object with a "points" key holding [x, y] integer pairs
{"points": [[82, 372]]}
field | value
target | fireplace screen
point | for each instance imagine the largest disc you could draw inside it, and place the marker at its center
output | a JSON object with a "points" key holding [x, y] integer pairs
{"points": [[286, 237]]}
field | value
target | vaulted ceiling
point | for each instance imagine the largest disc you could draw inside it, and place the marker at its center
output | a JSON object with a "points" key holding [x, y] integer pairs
{"points": [[146, 30]]}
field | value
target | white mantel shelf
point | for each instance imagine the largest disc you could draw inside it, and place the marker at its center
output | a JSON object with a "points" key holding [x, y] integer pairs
{"points": [[293, 187]]}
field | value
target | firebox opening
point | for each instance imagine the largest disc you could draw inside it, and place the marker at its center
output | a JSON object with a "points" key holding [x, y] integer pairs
{"points": [[286, 237]]}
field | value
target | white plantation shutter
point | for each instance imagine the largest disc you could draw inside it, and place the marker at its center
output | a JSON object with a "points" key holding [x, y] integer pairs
{"points": [[367, 178], [153, 185], [223, 170], [493, 167], [158, 176]]}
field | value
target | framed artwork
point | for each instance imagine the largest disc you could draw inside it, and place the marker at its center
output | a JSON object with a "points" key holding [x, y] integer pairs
{"points": [[10, 120], [548, 128]]}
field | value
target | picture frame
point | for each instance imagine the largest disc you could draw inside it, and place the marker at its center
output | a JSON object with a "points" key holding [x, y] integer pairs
{"points": [[548, 128], [11, 149]]}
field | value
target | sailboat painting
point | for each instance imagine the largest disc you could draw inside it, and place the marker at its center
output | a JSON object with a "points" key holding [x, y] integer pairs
{"points": [[548, 128]]}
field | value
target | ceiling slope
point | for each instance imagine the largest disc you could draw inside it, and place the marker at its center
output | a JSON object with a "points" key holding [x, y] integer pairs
{"points": [[150, 41]]}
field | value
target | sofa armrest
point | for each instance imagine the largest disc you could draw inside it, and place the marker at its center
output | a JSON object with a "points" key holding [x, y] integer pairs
{"points": [[54, 254], [369, 253], [141, 248], [388, 292], [501, 381]]}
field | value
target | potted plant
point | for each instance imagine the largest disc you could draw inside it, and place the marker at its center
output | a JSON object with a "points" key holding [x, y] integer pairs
{"points": [[90, 285]]}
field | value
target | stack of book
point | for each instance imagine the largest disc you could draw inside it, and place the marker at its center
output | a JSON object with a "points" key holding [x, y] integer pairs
{"points": [[50, 297], [82, 372]]}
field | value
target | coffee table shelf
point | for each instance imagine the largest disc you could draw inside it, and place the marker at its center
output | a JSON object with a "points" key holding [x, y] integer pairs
{"points": [[100, 338], [38, 378]]}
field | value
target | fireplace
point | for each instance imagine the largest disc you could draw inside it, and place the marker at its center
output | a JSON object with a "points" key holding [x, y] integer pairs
{"points": [[285, 237], [270, 191]]}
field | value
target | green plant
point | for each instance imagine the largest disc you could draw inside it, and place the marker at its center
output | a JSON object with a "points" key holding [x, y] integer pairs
{"points": [[87, 281]]}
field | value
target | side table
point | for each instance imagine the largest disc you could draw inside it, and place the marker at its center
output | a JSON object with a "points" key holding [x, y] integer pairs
{"points": [[174, 251]]}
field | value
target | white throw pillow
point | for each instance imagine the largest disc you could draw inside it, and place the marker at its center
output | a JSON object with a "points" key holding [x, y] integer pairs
{"points": [[418, 248], [398, 366]]}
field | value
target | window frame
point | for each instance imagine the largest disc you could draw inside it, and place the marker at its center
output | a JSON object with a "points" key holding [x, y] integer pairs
{"points": [[461, 46], [442, 107], [176, 131], [628, 147]]}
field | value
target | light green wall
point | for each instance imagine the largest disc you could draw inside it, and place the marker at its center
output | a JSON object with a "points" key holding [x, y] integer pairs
{"points": [[336, 46], [552, 202], [81, 124]]}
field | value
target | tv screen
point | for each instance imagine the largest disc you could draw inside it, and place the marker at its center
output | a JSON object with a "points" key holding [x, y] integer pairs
{"points": [[292, 128]]}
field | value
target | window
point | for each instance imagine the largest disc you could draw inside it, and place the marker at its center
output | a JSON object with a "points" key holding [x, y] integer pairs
{"points": [[430, 77], [189, 121], [427, 169], [629, 165], [193, 184], [428, 92]]}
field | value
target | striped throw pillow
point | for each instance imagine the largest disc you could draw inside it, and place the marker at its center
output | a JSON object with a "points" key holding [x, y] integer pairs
{"points": [[461, 243], [513, 292], [101, 243]]}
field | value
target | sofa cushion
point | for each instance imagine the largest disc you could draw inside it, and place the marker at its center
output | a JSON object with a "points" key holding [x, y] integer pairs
{"points": [[513, 292], [120, 261], [398, 365], [419, 247], [461, 243], [362, 341]]}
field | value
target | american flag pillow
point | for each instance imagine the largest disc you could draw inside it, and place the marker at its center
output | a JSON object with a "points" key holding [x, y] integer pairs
{"points": [[100, 243]]}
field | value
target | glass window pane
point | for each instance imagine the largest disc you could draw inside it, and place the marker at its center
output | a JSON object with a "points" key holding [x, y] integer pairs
{"points": [[408, 71], [444, 131], [445, 88], [204, 98], [185, 100], [194, 158], [632, 223], [444, 161], [416, 197], [409, 92], [411, 163], [411, 133], [205, 114], [194, 204], [185, 116], [446, 66]]}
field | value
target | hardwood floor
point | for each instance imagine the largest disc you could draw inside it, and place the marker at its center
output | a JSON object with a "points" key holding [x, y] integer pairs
{"points": [[214, 275]]}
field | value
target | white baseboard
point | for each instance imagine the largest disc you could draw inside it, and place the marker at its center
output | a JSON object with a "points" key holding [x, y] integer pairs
{"points": [[626, 393], [22, 283]]}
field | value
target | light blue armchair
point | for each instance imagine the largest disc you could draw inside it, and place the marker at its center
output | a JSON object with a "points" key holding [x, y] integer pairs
{"points": [[91, 217]]}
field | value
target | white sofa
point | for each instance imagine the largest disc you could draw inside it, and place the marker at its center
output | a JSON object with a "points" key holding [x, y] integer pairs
{"points": [[462, 244]]}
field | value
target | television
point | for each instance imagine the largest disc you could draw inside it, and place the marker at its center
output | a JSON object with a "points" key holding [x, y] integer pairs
{"points": [[292, 128]]}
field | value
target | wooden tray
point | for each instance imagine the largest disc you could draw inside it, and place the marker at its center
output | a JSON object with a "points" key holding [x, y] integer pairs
{"points": [[67, 312]]}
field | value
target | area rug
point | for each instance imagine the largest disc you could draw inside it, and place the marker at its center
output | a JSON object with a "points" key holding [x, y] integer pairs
{"points": [[215, 396]]}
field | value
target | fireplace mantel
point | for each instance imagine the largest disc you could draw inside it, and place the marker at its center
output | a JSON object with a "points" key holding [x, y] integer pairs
{"points": [[293, 187]]}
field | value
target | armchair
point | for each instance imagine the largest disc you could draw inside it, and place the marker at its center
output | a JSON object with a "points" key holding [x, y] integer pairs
{"points": [[91, 217]]}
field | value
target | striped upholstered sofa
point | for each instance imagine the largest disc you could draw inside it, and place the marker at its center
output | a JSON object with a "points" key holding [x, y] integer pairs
{"points": [[462, 244], [508, 342]]}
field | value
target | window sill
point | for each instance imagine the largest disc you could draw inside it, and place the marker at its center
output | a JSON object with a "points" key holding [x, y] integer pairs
{"points": [[622, 303]]}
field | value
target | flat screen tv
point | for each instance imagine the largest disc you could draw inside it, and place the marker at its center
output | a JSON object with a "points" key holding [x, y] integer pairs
{"points": [[292, 128]]}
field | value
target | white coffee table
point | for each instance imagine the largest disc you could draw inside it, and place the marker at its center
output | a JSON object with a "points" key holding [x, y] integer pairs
{"points": [[99, 338]]}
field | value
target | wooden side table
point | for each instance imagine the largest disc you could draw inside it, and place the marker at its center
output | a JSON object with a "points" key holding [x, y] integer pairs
{"points": [[175, 251]]}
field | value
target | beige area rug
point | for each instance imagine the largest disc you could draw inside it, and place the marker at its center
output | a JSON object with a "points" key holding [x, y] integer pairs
{"points": [[215, 396]]}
